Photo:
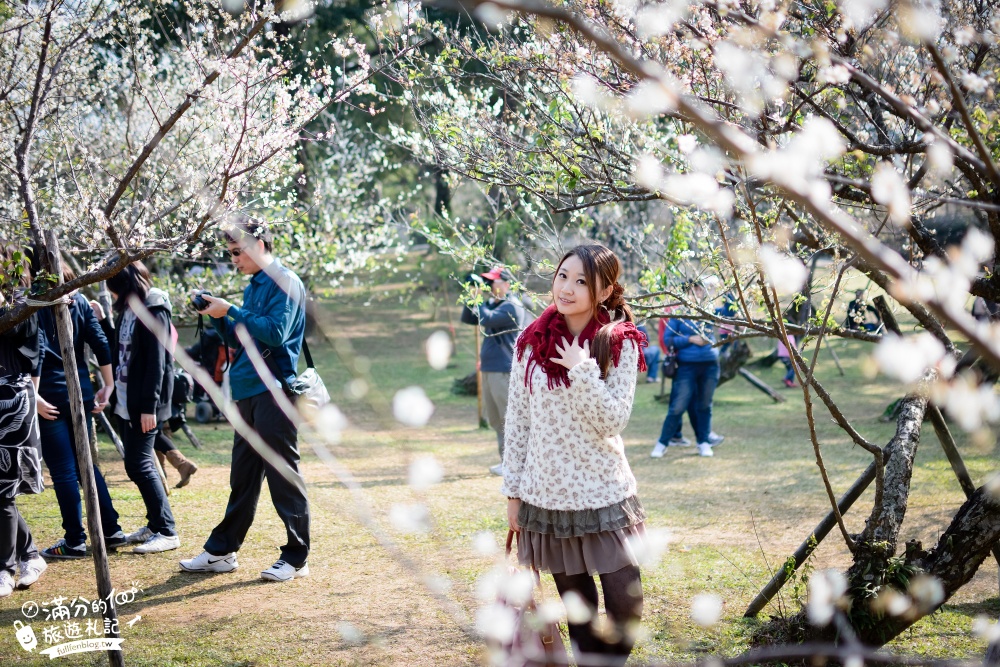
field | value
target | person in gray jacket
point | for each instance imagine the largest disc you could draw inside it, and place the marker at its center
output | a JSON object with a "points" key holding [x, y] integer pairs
{"points": [[502, 317]]}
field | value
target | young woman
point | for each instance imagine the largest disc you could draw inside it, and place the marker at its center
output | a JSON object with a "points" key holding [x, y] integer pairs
{"points": [[571, 494], [56, 425], [20, 461], [144, 380]]}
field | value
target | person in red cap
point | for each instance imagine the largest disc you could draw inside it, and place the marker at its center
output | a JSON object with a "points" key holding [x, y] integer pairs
{"points": [[502, 317]]}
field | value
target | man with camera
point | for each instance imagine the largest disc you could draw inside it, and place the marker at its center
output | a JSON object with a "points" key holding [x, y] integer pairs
{"points": [[273, 313], [502, 317]]}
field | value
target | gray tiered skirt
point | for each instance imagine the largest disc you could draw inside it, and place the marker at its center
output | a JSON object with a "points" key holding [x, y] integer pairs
{"points": [[592, 541]]}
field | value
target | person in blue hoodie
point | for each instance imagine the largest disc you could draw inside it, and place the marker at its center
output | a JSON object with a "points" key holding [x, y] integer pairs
{"points": [[696, 378], [274, 315]]}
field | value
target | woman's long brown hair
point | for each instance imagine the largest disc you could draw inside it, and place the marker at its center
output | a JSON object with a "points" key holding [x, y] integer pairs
{"points": [[602, 268]]}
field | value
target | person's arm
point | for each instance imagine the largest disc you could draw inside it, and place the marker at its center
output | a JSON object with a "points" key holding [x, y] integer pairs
{"points": [[678, 334], [103, 395], [95, 337], [151, 379], [605, 404], [273, 325], [517, 428], [501, 316]]}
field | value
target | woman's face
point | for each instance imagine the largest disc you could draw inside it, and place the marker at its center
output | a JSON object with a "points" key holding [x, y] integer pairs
{"points": [[570, 292]]}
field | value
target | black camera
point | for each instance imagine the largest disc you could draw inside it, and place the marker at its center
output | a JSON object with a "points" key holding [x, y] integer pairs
{"points": [[198, 301]]}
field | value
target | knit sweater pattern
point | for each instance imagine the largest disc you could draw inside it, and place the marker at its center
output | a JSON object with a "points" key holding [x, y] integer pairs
{"points": [[563, 447]]}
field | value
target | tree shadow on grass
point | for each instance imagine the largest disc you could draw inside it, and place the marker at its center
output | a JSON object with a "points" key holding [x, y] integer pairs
{"points": [[989, 607]]}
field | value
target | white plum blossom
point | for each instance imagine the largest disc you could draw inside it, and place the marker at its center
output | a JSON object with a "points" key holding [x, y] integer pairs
{"points": [[439, 349], [889, 189], [650, 98], [577, 609], [974, 83], [969, 403], [409, 517], [706, 609], [940, 159], [861, 12], [785, 273], [411, 406], [659, 19], [835, 74], [649, 173], [649, 550], [907, 359], [986, 628], [424, 473], [497, 622], [330, 423], [826, 588], [484, 544], [927, 592]]}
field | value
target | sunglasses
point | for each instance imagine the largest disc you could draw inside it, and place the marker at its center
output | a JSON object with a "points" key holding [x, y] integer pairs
{"points": [[235, 252]]}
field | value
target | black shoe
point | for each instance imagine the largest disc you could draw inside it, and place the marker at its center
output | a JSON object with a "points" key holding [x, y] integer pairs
{"points": [[119, 539]]}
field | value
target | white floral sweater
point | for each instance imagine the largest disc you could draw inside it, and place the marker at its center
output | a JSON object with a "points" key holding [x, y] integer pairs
{"points": [[562, 447]]}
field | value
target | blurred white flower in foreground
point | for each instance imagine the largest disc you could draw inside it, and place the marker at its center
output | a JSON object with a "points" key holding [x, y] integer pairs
{"points": [[439, 350], [986, 629], [966, 401], [349, 633], [825, 590], [906, 359], [485, 544], [412, 407], [424, 473], [577, 609], [927, 592], [784, 272], [890, 190], [409, 518], [861, 12], [650, 549], [330, 423], [496, 622], [706, 608]]}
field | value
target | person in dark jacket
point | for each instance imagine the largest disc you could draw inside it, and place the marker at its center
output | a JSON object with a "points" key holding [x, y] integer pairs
{"points": [[20, 459], [144, 380], [502, 317], [274, 315], [56, 424]]}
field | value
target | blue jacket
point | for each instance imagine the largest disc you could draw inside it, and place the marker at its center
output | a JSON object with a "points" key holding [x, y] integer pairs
{"points": [[502, 322], [86, 331], [276, 320], [677, 333]]}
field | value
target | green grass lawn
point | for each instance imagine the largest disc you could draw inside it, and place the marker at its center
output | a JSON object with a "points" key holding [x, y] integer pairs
{"points": [[733, 518]]}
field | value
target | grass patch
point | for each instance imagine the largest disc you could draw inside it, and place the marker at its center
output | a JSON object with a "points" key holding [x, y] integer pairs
{"points": [[734, 518]]}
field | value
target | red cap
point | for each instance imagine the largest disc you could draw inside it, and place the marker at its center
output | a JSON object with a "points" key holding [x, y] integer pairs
{"points": [[497, 273]]}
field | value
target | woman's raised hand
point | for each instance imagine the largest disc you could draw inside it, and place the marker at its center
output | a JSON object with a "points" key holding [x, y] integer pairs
{"points": [[572, 353]]}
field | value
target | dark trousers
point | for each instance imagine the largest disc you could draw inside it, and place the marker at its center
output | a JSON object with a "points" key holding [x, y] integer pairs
{"points": [[142, 471], [60, 456], [15, 537], [693, 386], [247, 475], [622, 601]]}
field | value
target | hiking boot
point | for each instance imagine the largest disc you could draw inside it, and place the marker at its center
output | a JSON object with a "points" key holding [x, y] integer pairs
{"points": [[282, 571], [185, 467], [206, 562], [158, 543], [705, 449], [61, 550], [30, 569], [6, 584], [659, 449]]}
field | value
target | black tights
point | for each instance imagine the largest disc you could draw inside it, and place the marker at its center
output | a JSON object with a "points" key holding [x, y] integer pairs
{"points": [[622, 601]]}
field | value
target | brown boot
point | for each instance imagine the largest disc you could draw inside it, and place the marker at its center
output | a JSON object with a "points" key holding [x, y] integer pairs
{"points": [[184, 467]]}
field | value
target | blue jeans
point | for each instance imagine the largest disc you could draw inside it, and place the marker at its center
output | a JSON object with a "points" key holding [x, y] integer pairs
{"points": [[789, 370], [59, 454], [652, 355], [693, 387], [142, 471]]}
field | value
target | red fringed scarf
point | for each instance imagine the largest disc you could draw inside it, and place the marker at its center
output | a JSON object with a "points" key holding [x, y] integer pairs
{"points": [[550, 329]]}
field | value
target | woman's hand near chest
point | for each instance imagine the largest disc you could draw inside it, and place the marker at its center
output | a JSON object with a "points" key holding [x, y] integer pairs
{"points": [[572, 353]]}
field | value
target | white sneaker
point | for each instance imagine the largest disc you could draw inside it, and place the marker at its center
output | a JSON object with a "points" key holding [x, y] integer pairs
{"points": [[6, 584], [206, 562], [497, 469], [679, 442], [158, 543], [30, 569], [139, 536], [658, 450], [705, 449], [282, 571], [715, 439]]}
